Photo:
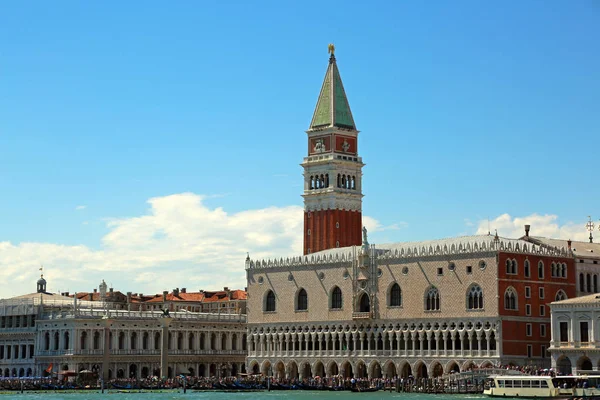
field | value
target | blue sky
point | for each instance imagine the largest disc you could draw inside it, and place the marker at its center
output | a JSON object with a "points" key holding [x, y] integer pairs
{"points": [[468, 110]]}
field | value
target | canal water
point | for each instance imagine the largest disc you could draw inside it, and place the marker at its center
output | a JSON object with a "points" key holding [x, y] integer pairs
{"points": [[274, 395]]}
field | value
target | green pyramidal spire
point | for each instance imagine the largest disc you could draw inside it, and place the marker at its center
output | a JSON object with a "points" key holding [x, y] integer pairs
{"points": [[332, 108]]}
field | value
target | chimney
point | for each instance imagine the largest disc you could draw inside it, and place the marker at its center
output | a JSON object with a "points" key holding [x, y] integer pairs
{"points": [[67, 294], [165, 293], [141, 295], [92, 295], [183, 290], [95, 290], [129, 297], [569, 244], [110, 290], [176, 292], [527, 227], [225, 289]]}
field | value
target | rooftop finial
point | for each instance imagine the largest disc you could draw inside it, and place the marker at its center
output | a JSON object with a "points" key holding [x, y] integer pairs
{"points": [[590, 228], [42, 269], [331, 49]]}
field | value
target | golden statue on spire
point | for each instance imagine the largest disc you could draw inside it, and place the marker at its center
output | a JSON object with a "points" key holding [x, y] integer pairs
{"points": [[331, 48]]}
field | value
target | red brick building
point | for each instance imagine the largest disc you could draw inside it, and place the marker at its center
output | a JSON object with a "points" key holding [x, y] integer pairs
{"points": [[528, 283]]}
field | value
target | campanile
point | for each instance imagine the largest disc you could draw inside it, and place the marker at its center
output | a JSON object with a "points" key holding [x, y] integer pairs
{"points": [[332, 170]]}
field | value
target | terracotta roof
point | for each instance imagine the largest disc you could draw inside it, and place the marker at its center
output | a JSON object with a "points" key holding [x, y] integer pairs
{"points": [[203, 296], [96, 295]]}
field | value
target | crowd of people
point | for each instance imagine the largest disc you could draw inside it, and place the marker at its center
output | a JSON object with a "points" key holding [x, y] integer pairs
{"points": [[453, 382]]}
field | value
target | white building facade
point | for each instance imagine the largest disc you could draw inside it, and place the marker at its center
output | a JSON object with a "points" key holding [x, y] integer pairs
{"points": [[575, 345]]}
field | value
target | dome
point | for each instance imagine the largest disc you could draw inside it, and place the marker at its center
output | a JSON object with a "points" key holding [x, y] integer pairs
{"points": [[41, 284]]}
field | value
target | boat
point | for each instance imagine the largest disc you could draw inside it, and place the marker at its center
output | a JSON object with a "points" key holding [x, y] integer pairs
{"points": [[533, 386], [364, 390]]}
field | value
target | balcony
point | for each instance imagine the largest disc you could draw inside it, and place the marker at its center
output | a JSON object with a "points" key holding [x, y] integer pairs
{"points": [[361, 315]]}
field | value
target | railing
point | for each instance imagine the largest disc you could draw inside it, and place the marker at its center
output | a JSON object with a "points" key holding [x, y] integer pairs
{"points": [[140, 352], [375, 353], [26, 329], [120, 314], [361, 315], [28, 360]]}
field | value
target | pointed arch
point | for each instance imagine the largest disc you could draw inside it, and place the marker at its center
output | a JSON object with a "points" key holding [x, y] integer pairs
{"points": [[301, 300], [395, 295], [560, 295], [432, 299], [527, 269], [269, 302], [475, 297], [510, 299], [364, 303], [436, 369], [335, 302]]}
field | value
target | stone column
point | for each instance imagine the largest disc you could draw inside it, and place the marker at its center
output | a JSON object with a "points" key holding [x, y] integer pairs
{"points": [[164, 350], [106, 349]]}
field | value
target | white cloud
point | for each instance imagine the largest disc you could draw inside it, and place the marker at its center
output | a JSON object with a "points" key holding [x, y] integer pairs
{"points": [[541, 225], [179, 242], [79, 208], [374, 225]]}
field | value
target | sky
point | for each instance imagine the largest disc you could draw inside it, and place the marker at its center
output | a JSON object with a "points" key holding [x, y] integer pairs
{"points": [[154, 144]]}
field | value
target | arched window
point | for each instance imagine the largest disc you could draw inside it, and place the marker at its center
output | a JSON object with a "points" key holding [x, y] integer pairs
{"points": [[581, 283], [67, 341], [133, 341], [47, 341], [589, 283], [510, 299], [96, 340], [336, 298], [527, 269], [270, 301], [560, 295], [595, 283], [564, 270], [145, 341], [180, 341], [395, 296], [191, 341], [302, 301], [541, 270], [121, 340], [511, 266], [83, 338], [475, 298], [364, 304], [432, 299]]}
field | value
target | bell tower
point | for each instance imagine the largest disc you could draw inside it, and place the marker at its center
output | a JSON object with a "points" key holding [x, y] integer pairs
{"points": [[332, 170]]}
